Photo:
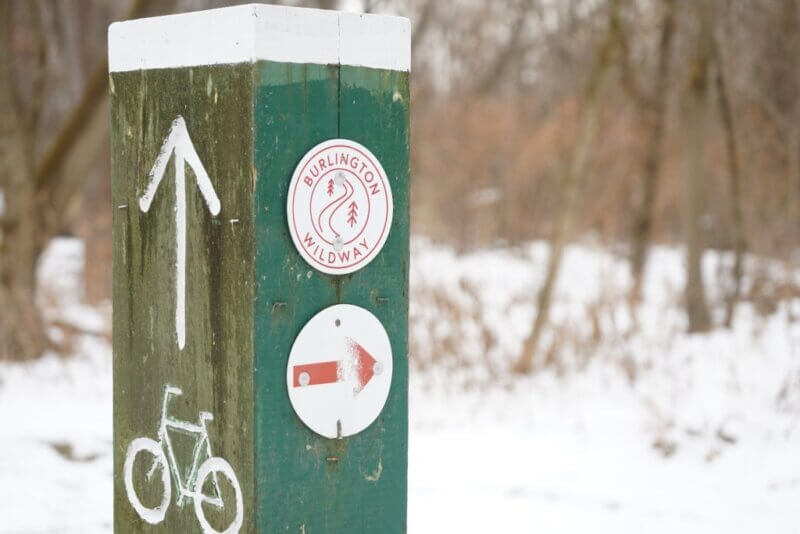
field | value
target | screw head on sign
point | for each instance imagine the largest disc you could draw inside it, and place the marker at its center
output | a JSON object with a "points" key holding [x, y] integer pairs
{"points": [[377, 369], [304, 378], [338, 244], [339, 178]]}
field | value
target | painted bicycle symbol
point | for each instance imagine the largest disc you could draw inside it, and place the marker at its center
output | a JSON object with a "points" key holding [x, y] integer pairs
{"points": [[190, 485]]}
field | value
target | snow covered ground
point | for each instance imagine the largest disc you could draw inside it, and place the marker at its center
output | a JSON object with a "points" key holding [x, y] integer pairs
{"points": [[633, 427]]}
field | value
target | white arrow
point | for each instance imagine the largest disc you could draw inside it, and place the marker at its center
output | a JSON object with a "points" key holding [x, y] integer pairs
{"points": [[179, 142]]}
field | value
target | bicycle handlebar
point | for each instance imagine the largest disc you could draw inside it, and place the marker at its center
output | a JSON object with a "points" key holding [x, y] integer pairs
{"points": [[173, 390]]}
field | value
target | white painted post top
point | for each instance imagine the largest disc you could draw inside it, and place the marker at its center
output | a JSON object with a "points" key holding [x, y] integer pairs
{"points": [[256, 32]]}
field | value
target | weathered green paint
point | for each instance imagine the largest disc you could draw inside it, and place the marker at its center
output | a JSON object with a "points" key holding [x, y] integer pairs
{"points": [[307, 483], [249, 292], [215, 370]]}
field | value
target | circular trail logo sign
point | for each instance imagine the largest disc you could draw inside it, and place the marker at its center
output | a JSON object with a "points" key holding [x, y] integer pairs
{"points": [[340, 371], [339, 206]]}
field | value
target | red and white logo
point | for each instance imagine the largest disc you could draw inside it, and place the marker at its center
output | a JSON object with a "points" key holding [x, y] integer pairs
{"points": [[339, 206]]}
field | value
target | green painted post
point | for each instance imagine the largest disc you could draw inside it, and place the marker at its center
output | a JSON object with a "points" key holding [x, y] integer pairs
{"points": [[211, 112]]}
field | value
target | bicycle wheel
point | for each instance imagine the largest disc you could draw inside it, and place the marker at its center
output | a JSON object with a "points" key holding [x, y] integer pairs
{"points": [[220, 467], [150, 515]]}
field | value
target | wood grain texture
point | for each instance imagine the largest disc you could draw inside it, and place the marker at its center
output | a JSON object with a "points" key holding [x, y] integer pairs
{"points": [[215, 369], [249, 292]]}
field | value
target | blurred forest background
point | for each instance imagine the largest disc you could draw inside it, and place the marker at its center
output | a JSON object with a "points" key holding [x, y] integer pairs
{"points": [[630, 122], [604, 276]]}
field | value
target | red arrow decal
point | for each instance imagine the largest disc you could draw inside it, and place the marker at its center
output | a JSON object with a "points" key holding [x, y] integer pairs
{"points": [[313, 374], [365, 364]]}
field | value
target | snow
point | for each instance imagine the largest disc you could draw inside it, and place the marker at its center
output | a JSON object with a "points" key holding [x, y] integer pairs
{"points": [[636, 430], [55, 446], [629, 429]]}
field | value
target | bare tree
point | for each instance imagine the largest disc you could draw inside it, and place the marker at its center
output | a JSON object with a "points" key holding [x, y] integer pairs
{"points": [[38, 189], [21, 331], [592, 97], [734, 173], [504, 58], [697, 114], [654, 107]]}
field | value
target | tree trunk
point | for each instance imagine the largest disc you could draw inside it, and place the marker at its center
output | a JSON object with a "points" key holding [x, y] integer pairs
{"points": [[793, 173], [39, 195], [21, 327], [576, 170], [656, 114], [737, 217], [697, 119]]}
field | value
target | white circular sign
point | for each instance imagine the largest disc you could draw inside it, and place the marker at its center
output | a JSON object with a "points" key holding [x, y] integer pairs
{"points": [[339, 206], [339, 371]]}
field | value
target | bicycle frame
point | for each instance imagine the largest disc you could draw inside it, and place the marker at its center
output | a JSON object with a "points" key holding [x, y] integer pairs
{"points": [[186, 488]]}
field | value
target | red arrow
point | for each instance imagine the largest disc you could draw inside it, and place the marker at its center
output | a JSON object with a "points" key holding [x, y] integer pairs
{"points": [[313, 374]]}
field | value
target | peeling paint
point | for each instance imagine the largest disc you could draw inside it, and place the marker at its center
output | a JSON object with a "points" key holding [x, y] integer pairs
{"points": [[376, 475]]}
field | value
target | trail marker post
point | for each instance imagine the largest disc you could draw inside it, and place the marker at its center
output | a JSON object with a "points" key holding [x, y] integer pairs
{"points": [[260, 194]]}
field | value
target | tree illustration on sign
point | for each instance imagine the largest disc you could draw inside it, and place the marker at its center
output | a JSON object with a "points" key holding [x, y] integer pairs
{"points": [[352, 214], [330, 187]]}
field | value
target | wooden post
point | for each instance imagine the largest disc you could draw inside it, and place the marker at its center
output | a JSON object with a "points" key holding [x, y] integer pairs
{"points": [[211, 113]]}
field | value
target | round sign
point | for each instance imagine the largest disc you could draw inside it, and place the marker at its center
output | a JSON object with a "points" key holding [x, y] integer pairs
{"points": [[339, 206], [339, 371]]}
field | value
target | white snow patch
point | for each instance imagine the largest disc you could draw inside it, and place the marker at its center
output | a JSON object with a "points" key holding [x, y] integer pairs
{"points": [[646, 430]]}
